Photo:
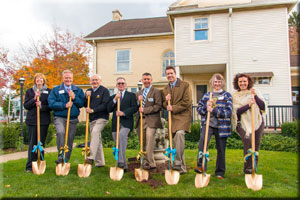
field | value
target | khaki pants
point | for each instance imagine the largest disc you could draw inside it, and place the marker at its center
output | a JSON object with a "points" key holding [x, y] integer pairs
{"points": [[179, 140], [148, 144], [96, 148]]}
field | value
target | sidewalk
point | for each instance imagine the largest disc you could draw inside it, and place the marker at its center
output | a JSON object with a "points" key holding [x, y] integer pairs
{"points": [[15, 156]]}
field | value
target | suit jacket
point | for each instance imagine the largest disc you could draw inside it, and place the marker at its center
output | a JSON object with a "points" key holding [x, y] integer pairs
{"points": [[128, 106], [152, 108], [181, 101]]}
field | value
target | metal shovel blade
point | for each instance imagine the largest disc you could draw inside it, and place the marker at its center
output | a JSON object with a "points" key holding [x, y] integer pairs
{"points": [[172, 177], [62, 169], [116, 173], [202, 180], [254, 181], [141, 175], [84, 170], [39, 167]]}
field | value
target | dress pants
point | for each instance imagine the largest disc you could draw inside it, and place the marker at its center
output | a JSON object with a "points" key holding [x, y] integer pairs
{"points": [[32, 131], [178, 141], [123, 139], [96, 148], [60, 126], [221, 146]]}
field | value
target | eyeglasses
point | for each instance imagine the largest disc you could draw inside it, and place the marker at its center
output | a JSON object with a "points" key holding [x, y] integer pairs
{"points": [[121, 83], [95, 79]]}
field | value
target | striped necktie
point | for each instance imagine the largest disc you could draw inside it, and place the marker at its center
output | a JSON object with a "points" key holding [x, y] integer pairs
{"points": [[145, 92]]}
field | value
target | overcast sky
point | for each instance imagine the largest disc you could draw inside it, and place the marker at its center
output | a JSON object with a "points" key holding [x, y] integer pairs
{"points": [[22, 19]]}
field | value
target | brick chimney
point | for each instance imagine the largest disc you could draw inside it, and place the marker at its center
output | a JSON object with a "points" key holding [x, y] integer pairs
{"points": [[116, 15]]}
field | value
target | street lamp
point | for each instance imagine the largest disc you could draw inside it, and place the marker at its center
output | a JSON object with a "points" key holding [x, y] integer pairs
{"points": [[21, 81], [140, 84]]}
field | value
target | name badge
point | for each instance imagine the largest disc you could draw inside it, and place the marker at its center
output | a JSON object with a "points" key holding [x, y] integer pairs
{"points": [[249, 96], [61, 91], [98, 96], [150, 99], [45, 92], [221, 98]]}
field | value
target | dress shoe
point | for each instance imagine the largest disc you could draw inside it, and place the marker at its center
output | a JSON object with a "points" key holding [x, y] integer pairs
{"points": [[176, 167], [198, 170], [99, 166], [121, 165], [146, 166], [248, 171], [59, 160], [89, 161]]}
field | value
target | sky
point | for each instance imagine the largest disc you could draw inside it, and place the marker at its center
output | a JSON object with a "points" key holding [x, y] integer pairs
{"points": [[21, 20]]}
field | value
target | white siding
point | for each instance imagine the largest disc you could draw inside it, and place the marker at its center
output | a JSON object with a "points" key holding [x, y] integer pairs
{"points": [[263, 35], [190, 52]]}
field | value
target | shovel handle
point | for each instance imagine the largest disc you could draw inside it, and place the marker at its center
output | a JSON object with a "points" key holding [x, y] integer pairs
{"points": [[170, 130], [68, 123], [206, 133], [118, 123], [141, 126], [253, 134], [38, 127], [87, 127]]}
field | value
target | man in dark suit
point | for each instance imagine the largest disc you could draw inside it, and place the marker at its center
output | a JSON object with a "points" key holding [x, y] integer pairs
{"points": [[128, 107], [152, 102]]}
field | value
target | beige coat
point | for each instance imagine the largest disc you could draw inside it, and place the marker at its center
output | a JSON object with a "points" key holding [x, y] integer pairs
{"points": [[152, 108], [181, 101]]}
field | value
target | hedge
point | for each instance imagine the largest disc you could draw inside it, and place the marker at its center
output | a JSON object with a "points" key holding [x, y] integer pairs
{"points": [[290, 129]]}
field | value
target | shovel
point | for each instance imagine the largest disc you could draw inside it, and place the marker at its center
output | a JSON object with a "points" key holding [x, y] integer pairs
{"points": [[62, 169], [253, 181], [202, 180], [116, 173], [140, 173], [84, 170], [39, 166], [171, 176]]}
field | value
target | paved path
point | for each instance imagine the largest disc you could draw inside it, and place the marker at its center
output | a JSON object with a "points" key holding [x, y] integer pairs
{"points": [[15, 156]]}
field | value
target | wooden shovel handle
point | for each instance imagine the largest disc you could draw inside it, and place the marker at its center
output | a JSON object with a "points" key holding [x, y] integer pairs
{"points": [[87, 127], [141, 126], [38, 128], [170, 131], [206, 134], [253, 134], [68, 123], [118, 123]]}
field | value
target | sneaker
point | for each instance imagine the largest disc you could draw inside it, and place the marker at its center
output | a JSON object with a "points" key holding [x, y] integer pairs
{"points": [[89, 161], [220, 177], [198, 170], [176, 167]]}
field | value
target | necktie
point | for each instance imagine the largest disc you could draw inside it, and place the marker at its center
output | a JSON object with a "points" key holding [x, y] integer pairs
{"points": [[144, 96], [121, 97]]}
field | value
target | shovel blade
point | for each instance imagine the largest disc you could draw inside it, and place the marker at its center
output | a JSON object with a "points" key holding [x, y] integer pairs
{"points": [[58, 169], [172, 177], [254, 181], [84, 170], [65, 168], [141, 175], [116, 173], [202, 180], [39, 168]]}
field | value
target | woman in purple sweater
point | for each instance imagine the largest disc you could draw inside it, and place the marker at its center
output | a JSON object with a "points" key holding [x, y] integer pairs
{"points": [[241, 116]]}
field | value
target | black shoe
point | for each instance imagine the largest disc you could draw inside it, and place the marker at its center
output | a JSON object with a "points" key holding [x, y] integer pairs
{"points": [[146, 166], [121, 165], [59, 160], [125, 170], [198, 170], [99, 166], [248, 171], [89, 161], [176, 167], [182, 172], [28, 170]]}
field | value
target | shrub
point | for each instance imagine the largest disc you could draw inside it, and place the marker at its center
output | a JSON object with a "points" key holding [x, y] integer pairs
{"points": [[290, 129], [274, 142], [194, 135], [10, 135]]}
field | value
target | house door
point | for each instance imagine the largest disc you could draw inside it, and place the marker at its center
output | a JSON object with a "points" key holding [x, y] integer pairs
{"points": [[201, 90]]}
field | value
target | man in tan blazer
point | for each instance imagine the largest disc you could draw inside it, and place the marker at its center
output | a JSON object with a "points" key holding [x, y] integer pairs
{"points": [[152, 103], [180, 95]]}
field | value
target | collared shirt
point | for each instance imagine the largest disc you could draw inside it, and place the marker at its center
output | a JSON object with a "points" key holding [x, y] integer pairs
{"points": [[146, 90], [66, 87], [173, 85], [122, 93], [94, 90]]}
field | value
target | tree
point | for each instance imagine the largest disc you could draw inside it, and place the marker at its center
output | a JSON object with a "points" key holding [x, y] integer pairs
{"points": [[51, 55], [294, 19], [5, 105], [6, 68]]}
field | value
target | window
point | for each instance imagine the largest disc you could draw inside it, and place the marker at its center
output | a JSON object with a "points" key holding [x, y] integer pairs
{"points": [[201, 28], [168, 59], [123, 60], [111, 91], [262, 80], [295, 95], [134, 90]]}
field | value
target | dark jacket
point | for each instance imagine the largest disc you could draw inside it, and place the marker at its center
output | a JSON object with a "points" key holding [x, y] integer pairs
{"points": [[128, 106], [98, 103], [29, 104], [59, 97]]}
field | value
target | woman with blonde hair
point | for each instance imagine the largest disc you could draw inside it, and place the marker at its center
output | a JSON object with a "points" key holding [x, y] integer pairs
{"points": [[31, 103], [241, 117], [220, 108]]}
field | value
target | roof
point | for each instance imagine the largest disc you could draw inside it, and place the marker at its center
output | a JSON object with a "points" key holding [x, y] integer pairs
{"points": [[260, 74], [132, 27]]}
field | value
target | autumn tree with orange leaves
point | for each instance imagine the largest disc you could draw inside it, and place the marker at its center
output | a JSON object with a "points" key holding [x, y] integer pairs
{"points": [[51, 57]]}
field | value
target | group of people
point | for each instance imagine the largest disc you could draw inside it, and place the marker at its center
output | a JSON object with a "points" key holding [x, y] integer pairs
{"points": [[226, 111]]}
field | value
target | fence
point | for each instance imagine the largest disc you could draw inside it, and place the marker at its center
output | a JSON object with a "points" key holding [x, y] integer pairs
{"points": [[275, 116]]}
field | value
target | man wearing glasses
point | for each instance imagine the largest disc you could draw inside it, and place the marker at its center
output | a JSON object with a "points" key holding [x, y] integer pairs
{"points": [[98, 116], [128, 106]]}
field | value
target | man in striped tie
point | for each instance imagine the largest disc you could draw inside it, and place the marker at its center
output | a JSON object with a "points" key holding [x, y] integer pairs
{"points": [[152, 103]]}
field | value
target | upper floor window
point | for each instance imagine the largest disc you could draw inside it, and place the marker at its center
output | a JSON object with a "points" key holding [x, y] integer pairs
{"points": [[201, 28], [123, 60], [262, 80], [168, 59]]}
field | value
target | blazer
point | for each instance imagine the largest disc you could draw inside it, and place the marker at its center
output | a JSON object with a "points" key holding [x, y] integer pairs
{"points": [[98, 103], [152, 108], [59, 97], [29, 104], [181, 101], [128, 106]]}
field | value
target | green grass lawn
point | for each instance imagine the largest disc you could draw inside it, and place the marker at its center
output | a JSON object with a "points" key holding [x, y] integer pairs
{"points": [[279, 170]]}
